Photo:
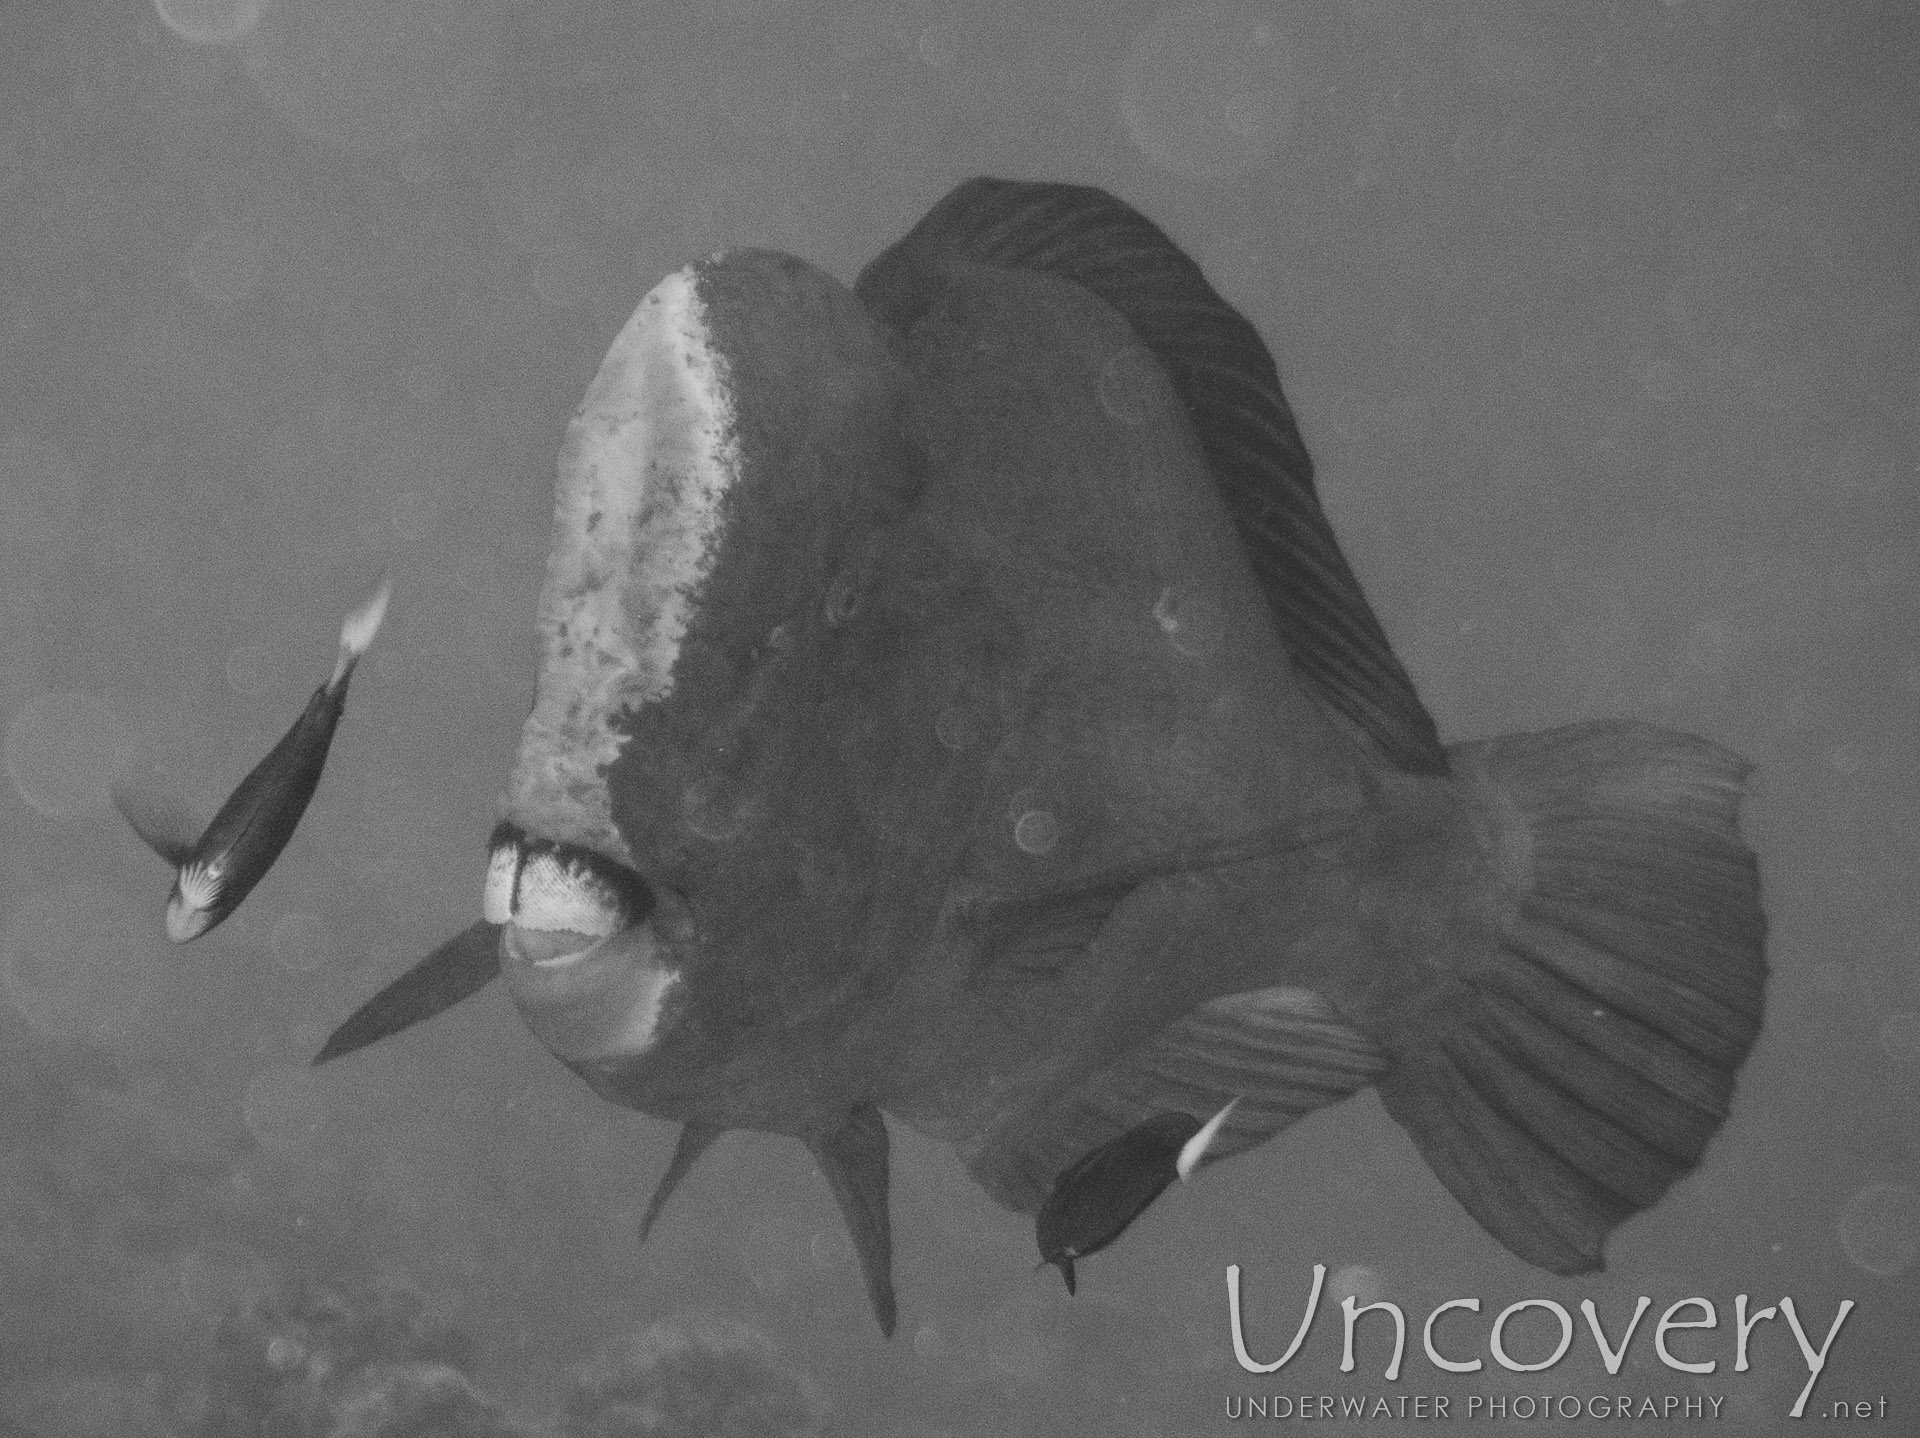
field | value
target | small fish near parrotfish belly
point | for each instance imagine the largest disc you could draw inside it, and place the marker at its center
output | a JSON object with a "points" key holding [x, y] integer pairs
{"points": [[962, 666], [215, 872], [1097, 1199]]}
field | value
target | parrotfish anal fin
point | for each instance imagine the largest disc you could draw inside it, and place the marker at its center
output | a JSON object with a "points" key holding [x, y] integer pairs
{"points": [[695, 1139], [853, 1159], [1282, 1052], [162, 828], [1221, 368], [463, 965], [1569, 1056]]}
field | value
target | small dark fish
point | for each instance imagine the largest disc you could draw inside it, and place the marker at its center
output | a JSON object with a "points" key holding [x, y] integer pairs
{"points": [[219, 869], [1096, 1199]]}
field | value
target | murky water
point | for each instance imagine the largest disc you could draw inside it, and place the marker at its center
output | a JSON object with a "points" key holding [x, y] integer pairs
{"points": [[1600, 323]]}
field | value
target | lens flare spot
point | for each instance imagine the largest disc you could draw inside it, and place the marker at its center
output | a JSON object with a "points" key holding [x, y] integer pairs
{"points": [[1036, 832], [210, 22], [62, 751], [1880, 1228], [1207, 91], [300, 943], [285, 1109], [373, 75], [79, 965]]}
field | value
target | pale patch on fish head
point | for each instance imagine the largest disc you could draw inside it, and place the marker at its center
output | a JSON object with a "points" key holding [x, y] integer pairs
{"points": [[649, 456], [725, 498]]}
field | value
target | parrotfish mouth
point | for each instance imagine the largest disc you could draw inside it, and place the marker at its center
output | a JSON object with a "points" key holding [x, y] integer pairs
{"points": [[578, 947]]}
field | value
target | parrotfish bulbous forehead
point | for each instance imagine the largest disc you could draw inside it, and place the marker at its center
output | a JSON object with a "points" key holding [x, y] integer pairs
{"points": [[743, 421]]}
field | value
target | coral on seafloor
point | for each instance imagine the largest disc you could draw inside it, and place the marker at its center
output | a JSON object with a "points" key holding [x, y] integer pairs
{"points": [[709, 1378]]}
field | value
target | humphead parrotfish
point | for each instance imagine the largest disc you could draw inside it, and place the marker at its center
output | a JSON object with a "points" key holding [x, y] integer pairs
{"points": [[214, 872], [953, 704]]}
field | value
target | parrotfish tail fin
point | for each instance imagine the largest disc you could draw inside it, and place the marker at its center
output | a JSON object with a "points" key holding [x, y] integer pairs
{"points": [[162, 828], [462, 966], [1281, 1052], [1570, 1045], [853, 1159], [695, 1139], [357, 631], [1221, 368]]}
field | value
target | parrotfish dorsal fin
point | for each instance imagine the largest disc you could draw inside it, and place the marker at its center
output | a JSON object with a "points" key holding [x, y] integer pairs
{"points": [[695, 1139], [1222, 370], [853, 1159], [463, 965], [162, 828]]}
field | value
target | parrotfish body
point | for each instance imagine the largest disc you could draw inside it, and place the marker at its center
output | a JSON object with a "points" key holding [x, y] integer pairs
{"points": [[213, 873], [954, 705]]}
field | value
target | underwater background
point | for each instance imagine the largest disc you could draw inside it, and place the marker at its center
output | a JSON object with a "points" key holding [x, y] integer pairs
{"points": [[1600, 322]]}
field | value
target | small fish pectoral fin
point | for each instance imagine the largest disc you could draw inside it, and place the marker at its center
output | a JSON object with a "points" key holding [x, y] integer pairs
{"points": [[695, 1139], [1282, 1052], [162, 828], [460, 967], [853, 1159]]}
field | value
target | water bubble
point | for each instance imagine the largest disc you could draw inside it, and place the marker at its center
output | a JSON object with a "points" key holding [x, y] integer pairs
{"points": [[768, 1257], [937, 46], [1129, 385], [1900, 1037], [78, 965], [1192, 622], [210, 22], [284, 1108], [927, 1342], [224, 266], [564, 277], [955, 729], [1880, 1228], [1207, 91], [1358, 1282], [1036, 832], [250, 669], [40, 489], [300, 942], [372, 75], [62, 751], [716, 808], [1660, 382]]}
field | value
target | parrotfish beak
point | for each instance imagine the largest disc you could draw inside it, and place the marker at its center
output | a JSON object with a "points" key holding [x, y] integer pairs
{"points": [[580, 949]]}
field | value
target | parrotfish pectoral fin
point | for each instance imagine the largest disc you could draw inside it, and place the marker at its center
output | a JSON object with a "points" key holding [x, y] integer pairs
{"points": [[1195, 1148], [1221, 368], [695, 1139], [163, 829], [853, 1159], [463, 965], [1280, 1052], [1564, 1060], [1038, 936]]}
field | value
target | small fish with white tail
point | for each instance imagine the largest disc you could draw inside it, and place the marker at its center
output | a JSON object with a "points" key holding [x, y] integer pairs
{"points": [[213, 873], [1097, 1198]]}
